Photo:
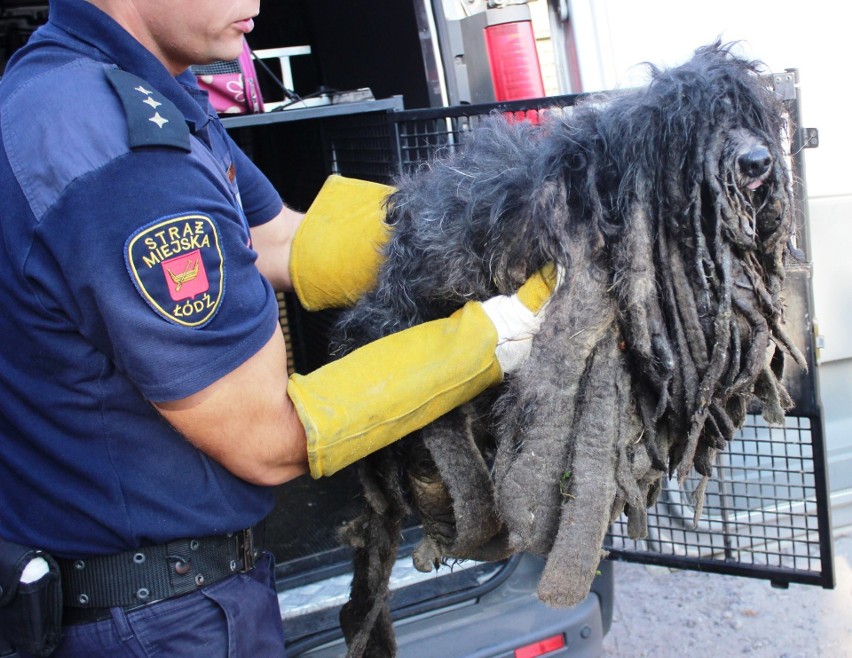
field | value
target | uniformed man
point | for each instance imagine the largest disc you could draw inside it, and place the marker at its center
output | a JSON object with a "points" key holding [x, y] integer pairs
{"points": [[145, 406]]}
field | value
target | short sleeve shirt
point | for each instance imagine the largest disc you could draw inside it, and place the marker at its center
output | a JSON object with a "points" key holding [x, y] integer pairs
{"points": [[127, 277]]}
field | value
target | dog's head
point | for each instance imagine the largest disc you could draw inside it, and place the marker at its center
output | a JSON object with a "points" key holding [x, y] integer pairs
{"points": [[721, 134]]}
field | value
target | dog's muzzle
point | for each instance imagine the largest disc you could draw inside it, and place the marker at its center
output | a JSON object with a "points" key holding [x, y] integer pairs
{"points": [[754, 166]]}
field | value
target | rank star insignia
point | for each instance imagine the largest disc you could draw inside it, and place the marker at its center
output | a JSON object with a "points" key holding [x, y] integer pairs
{"points": [[152, 119], [160, 121]]}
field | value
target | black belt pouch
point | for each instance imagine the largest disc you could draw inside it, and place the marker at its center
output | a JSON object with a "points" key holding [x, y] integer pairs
{"points": [[30, 613]]}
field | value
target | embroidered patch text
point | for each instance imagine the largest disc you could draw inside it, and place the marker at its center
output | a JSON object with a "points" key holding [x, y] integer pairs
{"points": [[177, 266]]}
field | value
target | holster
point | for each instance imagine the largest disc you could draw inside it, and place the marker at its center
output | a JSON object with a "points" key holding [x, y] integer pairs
{"points": [[30, 613]]}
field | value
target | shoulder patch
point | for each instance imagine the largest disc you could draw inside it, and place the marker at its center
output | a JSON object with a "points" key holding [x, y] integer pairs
{"points": [[152, 119], [177, 266]]}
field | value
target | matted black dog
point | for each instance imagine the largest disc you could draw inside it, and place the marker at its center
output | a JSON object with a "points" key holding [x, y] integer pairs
{"points": [[670, 210]]}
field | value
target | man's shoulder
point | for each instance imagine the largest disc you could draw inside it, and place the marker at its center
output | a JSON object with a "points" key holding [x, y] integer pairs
{"points": [[62, 122], [48, 76], [57, 124], [90, 97]]}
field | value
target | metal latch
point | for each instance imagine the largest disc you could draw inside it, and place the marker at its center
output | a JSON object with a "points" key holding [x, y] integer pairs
{"points": [[805, 138]]}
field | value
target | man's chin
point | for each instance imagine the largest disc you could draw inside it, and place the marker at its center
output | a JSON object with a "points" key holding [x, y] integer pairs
{"points": [[224, 54]]}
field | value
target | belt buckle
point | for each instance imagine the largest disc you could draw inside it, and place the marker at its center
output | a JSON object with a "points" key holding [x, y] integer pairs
{"points": [[246, 547]]}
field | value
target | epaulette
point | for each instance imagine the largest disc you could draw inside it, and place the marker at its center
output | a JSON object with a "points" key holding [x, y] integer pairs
{"points": [[152, 119]]}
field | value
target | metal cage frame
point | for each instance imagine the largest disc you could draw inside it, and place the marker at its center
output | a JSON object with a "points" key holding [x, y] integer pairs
{"points": [[766, 512]]}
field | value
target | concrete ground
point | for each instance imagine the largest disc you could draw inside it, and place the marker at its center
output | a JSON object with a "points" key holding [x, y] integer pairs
{"points": [[682, 614]]}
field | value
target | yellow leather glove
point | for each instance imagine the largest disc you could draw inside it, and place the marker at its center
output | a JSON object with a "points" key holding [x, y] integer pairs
{"points": [[389, 388], [336, 251]]}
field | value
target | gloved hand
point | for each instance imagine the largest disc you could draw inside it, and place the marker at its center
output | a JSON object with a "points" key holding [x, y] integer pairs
{"points": [[337, 250], [518, 317], [389, 388]]}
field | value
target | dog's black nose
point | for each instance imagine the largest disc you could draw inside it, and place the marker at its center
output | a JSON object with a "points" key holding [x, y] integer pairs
{"points": [[755, 162]]}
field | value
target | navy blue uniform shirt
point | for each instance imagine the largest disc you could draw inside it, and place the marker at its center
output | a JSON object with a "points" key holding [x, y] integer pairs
{"points": [[126, 275]]}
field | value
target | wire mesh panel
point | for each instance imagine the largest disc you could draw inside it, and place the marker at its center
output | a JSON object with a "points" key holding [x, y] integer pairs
{"points": [[766, 511], [382, 146], [428, 134], [361, 146], [762, 513]]}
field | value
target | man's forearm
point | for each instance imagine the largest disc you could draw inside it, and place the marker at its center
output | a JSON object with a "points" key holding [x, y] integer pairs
{"points": [[245, 421], [273, 241]]}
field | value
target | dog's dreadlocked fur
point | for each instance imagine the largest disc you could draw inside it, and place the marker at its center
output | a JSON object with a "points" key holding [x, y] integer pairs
{"points": [[670, 209]]}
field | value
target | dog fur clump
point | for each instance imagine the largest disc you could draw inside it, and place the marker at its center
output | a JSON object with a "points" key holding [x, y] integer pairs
{"points": [[670, 210]]}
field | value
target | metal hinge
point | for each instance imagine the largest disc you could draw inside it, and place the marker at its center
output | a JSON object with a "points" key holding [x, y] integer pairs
{"points": [[819, 342], [785, 85], [785, 89]]}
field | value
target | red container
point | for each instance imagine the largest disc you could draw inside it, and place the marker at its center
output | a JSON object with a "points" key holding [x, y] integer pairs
{"points": [[515, 68]]}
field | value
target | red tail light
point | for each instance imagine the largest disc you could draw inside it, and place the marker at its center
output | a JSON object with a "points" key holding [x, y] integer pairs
{"points": [[541, 647]]}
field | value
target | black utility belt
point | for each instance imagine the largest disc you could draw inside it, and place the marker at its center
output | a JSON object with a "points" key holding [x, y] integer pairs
{"points": [[153, 573]]}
